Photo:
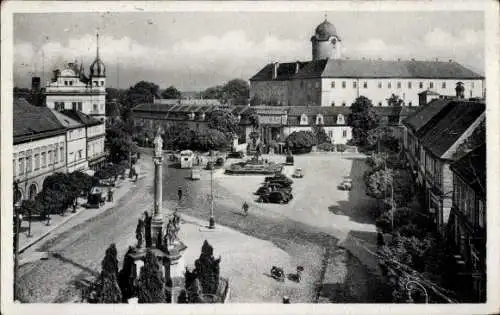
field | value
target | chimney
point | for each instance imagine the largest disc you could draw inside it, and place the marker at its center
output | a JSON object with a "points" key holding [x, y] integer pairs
{"points": [[297, 66], [275, 70]]}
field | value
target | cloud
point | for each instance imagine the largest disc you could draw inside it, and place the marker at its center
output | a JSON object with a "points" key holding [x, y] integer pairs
{"points": [[232, 52], [205, 61]]}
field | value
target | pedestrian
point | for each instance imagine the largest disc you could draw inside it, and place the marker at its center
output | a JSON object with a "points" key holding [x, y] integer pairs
{"points": [[179, 193], [110, 194], [380, 239], [245, 208], [286, 300]]}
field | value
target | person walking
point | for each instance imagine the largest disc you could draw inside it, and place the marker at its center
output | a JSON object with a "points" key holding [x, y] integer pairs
{"points": [[179, 193], [245, 208]]}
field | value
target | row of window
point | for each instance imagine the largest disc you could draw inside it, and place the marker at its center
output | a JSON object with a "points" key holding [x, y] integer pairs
{"points": [[25, 164], [344, 104], [59, 106], [96, 83], [344, 133], [389, 85], [304, 120], [465, 200]]}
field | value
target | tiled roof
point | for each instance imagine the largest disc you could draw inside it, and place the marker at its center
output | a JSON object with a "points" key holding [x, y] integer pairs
{"points": [[33, 122], [472, 169], [81, 117], [441, 134], [66, 121], [346, 68], [285, 71], [424, 114]]}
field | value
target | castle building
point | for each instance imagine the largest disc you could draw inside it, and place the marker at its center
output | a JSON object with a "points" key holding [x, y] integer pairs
{"points": [[330, 80], [71, 88]]}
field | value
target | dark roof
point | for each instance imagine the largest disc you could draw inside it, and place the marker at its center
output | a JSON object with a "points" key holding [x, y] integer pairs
{"points": [[81, 117], [472, 169], [424, 114], [346, 68], [285, 71], [441, 134], [33, 122]]}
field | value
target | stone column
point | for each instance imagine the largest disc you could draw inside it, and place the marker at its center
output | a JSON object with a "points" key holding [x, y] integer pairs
{"points": [[157, 220]]}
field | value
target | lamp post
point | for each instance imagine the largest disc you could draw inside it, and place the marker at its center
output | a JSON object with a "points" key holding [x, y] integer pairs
{"points": [[410, 288], [211, 221]]}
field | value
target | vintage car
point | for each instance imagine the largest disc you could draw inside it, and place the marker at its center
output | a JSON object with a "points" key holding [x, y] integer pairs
{"points": [[346, 184], [236, 154], [279, 178], [298, 173], [270, 187], [279, 196], [95, 197]]}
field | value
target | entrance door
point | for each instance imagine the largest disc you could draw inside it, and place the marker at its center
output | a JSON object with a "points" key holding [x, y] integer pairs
{"points": [[32, 192]]}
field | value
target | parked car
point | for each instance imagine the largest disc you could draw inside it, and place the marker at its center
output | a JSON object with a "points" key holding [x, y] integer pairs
{"points": [[95, 197], [346, 184], [270, 187], [280, 178], [298, 173], [279, 196], [236, 155]]}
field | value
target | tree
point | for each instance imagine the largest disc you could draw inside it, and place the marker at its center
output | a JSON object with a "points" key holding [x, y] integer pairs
{"points": [[119, 142], [215, 92], [171, 93], [208, 269], [223, 120], [300, 141], [141, 92], [151, 282], [212, 139], [108, 289], [320, 134], [253, 118], [390, 186], [236, 91], [362, 119]]}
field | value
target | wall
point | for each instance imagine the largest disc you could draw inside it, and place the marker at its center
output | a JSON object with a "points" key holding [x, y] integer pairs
{"points": [[303, 92], [76, 149], [336, 132], [378, 95], [97, 130], [267, 91], [34, 149]]}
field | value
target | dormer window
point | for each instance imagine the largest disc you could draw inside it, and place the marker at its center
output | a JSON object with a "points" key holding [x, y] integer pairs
{"points": [[303, 119], [340, 119], [238, 118], [202, 116], [319, 119], [191, 116]]}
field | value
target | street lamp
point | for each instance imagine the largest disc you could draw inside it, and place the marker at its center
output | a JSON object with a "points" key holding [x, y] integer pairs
{"points": [[211, 221], [410, 288]]}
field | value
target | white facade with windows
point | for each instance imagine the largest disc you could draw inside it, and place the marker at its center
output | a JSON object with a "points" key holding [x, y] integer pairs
{"points": [[76, 149]]}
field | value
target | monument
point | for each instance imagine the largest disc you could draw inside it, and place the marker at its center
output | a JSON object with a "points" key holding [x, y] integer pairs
{"points": [[164, 243]]}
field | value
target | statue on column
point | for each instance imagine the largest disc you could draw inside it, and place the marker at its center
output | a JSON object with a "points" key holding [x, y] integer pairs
{"points": [[158, 143], [139, 232]]}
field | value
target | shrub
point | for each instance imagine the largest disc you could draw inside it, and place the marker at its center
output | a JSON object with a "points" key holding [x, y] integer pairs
{"points": [[151, 282], [341, 147], [300, 141], [326, 146]]}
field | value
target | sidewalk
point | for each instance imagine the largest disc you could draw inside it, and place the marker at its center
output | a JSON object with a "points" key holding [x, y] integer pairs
{"points": [[40, 230]]}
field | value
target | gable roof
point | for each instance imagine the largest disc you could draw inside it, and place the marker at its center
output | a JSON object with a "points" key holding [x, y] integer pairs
{"points": [[33, 122], [440, 135], [285, 71], [472, 169], [66, 121], [81, 117], [424, 114], [347, 68]]}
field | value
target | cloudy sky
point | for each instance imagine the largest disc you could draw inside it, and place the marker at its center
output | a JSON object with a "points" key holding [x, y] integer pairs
{"points": [[195, 50]]}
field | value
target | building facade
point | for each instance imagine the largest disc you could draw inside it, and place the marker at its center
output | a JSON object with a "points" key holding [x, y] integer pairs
{"points": [[329, 80], [39, 147], [430, 140], [71, 88], [467, 227]]}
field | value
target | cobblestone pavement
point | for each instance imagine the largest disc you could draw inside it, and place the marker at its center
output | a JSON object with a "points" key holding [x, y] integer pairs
{"points": [[80, 249]]}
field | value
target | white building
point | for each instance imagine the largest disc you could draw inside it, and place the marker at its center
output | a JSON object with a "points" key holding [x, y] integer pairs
{"points": [[329, 80], [39, 147], [76, 143], [70, 88]]}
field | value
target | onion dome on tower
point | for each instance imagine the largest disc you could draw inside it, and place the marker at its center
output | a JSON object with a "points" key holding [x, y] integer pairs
{"points": [[97, 68], [325, 30]]}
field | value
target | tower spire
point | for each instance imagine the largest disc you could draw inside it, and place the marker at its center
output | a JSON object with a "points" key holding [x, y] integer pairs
{"points": [[97, 45], [326, 15]]}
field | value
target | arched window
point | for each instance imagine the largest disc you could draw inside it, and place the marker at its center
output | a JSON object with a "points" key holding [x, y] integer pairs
{"points": [[340, 119], [303, 119], [319, 119]]}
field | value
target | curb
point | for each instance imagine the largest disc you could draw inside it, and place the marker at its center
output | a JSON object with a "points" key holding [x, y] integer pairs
{"points": [[45, 234]]}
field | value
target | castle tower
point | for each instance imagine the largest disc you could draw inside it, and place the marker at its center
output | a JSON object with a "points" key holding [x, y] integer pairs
{"points": [[326, 44]]}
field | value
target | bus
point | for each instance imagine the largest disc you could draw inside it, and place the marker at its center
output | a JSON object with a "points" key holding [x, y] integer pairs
{"points": [[187, 157]]}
